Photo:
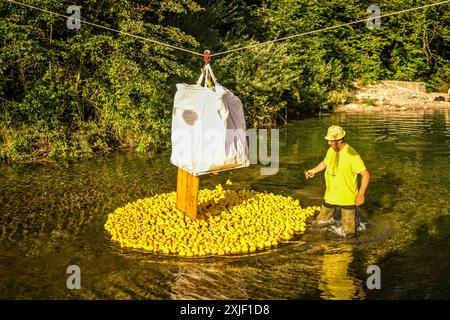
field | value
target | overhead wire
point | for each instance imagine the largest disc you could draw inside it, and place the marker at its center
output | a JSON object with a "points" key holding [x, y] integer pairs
{"points": [[235, 49], [106, 28], [326, 29]]}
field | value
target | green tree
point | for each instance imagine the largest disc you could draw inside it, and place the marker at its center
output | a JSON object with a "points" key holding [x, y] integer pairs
{"points": [[53, 78]]}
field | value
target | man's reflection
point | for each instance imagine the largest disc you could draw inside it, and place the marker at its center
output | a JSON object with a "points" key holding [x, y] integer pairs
{"points": [[336, 283]]}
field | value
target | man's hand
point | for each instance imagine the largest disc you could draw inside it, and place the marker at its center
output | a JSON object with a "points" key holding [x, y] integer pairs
{"points": [[359, 199], [364, 183], [309, 174]]}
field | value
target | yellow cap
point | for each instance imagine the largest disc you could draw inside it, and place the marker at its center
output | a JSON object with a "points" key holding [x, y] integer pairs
{"points": [[335, 133]]}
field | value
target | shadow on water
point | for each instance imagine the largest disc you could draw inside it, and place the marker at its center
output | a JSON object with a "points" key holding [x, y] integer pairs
{"points": [[386, 187], [420, 269]]}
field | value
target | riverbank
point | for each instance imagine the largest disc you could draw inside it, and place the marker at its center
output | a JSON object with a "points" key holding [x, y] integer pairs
{"points": [[30, 144], [394, 96]]}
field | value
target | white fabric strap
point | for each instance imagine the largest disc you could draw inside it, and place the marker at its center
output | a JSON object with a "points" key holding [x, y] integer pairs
{"points": [[204, 76], [211, 73], [200, 79]]}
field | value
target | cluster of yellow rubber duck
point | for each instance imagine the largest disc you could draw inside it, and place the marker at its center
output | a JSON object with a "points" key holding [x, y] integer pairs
{"points": [[228, 222]]}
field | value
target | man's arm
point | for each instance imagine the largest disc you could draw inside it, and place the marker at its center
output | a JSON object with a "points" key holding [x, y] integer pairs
{"points": [[364, 183], [320, 167]]}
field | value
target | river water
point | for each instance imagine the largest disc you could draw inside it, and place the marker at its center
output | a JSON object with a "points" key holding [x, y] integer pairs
{"points": [[52, 216]]}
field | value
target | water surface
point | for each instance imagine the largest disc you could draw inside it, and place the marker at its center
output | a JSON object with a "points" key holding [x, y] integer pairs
{"points": [[52, 216]]}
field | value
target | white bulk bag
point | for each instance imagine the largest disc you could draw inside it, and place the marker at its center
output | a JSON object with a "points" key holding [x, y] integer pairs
{"points": [[208, 129]]}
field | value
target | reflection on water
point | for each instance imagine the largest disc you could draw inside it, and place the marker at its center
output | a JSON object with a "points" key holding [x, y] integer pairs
{"points": [[336, 282], [52, 216]]}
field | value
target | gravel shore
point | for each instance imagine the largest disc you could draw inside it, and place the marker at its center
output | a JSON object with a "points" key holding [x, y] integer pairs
{"points": [[394, 96]]}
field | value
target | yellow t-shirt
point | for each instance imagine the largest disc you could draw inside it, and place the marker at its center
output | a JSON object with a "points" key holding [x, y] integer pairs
{"points": [[341, 175]]}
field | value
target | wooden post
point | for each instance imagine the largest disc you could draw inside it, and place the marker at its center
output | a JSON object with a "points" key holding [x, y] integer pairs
{"points": [[187, 191]]}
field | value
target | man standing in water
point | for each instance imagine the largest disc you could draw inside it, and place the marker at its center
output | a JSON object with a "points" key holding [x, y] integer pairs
{"points": [[342, 164]]}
